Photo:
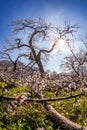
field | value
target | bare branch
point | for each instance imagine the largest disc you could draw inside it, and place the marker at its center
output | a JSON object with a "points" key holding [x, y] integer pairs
{"points": [[43, 99]]}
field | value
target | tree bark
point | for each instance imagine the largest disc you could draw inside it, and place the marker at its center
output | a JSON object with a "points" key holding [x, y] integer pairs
{"points": [[40, 66]]}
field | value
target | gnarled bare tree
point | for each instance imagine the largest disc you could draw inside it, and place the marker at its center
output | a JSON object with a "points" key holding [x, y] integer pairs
{"points": [[37, 39], [38, 35]]}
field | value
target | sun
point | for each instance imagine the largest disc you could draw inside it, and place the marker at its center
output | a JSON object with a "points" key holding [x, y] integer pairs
{"points": [[61, 46]]}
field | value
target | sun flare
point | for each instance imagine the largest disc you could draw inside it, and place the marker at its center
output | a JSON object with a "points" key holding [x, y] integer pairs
{"points": [[61, 46]]}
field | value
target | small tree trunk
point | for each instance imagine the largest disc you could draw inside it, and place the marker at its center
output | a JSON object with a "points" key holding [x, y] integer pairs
{"points": [[15, 66]]}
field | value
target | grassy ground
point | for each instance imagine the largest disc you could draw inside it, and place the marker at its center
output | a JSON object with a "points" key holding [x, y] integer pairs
{"points": [[34, 116]]}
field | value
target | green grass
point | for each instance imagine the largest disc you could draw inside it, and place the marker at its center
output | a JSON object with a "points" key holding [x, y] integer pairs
{"points": [[35, 116]]}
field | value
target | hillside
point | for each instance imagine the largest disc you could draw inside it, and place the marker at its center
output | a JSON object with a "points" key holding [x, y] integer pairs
{"points": [[5, 64]]}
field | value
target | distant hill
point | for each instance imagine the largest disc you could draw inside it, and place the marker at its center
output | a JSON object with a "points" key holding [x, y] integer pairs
{"points": [[5, 64]]}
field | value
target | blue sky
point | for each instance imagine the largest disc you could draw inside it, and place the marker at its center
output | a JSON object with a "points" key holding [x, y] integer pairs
{"points": [[52, 10]]}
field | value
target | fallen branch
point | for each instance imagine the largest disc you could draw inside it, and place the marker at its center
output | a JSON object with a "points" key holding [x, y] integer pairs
{"points": [[43, 99], [62, 121]]}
